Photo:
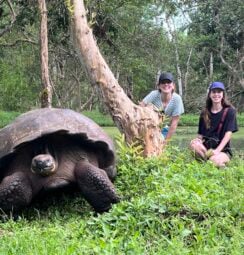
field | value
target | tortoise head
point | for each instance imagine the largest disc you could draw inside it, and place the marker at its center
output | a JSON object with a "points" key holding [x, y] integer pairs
{"points": [[43, 164]]}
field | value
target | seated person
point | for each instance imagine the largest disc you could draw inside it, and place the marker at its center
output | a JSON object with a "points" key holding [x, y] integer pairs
{"points": [[216, 124]]}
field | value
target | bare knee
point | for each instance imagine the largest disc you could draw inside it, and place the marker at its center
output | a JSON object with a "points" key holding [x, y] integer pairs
{"points": [[198, 148], [220, 160]]}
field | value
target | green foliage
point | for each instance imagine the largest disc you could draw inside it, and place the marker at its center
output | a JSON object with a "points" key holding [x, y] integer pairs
{"points": [[186, 120], [7, 117], [192, 120], [189, 120], [240, 120], [18, 87], [58, 21], [27, 13], [69, 6], [101, 119], [170, 204], [105, 120], [136, 43], [216, 29], [135, 51]]}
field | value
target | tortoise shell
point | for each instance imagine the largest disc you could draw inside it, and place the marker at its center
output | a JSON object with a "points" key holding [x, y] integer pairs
{"points": [[45, 121]]}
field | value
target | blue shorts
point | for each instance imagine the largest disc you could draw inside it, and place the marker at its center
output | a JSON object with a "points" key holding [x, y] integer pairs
{"points": [[165, 131]]}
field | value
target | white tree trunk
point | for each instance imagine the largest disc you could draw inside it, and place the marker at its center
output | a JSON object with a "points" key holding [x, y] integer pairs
{"points": [[187, 73], [171, 28], [139, 124], [46, 95], [211, 67]]}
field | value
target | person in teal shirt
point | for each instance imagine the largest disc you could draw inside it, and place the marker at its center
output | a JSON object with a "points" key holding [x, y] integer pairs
{"points": [[167, 101]]}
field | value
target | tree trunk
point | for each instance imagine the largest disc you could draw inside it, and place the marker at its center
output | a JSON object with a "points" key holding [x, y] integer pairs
{"points": [[139, 124], [187, 73], [211, 66], [46, 94], [177, 57]]}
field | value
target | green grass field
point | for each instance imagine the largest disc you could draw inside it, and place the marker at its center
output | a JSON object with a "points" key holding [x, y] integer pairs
{"points": [[105, 120], [184, 135], [170, 205]]}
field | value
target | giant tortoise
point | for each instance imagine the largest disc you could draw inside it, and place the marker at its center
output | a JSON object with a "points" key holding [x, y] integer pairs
{"points": [[47, 149]]}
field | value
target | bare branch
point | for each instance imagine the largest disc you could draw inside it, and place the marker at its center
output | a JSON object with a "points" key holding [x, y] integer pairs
{"points": [[172, 32], [232, 69], [18, 41], [187, 70], [82, 107]]}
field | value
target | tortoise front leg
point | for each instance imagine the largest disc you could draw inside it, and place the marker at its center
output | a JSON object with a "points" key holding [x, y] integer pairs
{"points": [[15, 191], [95, 186]]}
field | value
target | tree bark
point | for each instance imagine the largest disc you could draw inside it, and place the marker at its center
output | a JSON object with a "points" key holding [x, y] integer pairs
{"points": [[177, 57], [138, 124], [186, 74], [46, 94], [211, 66]]}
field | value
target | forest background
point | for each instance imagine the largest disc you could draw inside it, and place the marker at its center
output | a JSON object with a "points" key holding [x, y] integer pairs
{"points": [[198, 41]]}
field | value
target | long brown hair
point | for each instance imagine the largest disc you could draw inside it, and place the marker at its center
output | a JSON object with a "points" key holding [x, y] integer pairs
{"points": [[206, 111]]}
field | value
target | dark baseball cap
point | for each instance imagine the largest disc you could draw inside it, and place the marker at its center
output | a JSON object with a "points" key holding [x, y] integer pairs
{"points": [[166, 76], [217, 85]]}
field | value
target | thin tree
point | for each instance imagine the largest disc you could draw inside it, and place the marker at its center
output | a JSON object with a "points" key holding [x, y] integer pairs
{"points": [[139, 124], [171, 27], [46, 94]]}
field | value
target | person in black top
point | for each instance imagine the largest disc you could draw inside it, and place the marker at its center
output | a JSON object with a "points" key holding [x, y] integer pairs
{"points": [[217, 122]]}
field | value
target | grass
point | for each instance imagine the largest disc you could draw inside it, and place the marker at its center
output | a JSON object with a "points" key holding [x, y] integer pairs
{"points": [[105, 120], [169, 205], [7, 117], [184, 135], [100, 118], [182, 131]]}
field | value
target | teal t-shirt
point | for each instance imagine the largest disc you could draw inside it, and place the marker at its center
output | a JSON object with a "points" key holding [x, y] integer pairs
{"points": [[174, 108]]}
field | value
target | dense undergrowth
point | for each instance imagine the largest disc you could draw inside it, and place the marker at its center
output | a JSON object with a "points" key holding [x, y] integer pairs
{"points": [[171, 204]]}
